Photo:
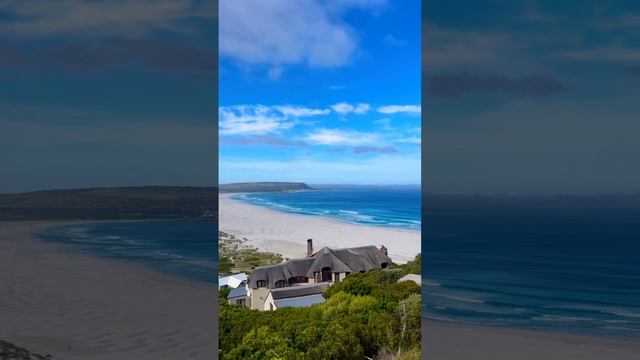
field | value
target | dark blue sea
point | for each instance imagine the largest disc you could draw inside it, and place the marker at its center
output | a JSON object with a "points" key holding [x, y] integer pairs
{"points": [[575, 270], [379, 206], [186, 248]]}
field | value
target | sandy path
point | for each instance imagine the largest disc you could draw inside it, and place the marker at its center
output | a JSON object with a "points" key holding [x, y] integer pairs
{"points": [[445, 341], [75, 306], [286, 234]]}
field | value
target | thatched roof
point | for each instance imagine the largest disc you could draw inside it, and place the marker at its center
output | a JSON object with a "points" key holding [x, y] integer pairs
{"points": [[284, 271], [326, 258], [363, 258], [350, 260]]}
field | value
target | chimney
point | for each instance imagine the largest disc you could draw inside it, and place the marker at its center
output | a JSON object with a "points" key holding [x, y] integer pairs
{"points": [[384, 250], [309, 247]]}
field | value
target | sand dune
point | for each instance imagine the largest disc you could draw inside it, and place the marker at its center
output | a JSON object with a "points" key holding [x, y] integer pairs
{"points": [[446, 341], [286, 234], [74, 306]]}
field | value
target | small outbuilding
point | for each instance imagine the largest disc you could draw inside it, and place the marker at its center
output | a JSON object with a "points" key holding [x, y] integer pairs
{"points": [[231, 281], [239, 296]]}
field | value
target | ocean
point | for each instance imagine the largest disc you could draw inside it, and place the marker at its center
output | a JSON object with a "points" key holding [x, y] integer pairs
{"points": [[185, 248], [571, 270], [397, 207]]}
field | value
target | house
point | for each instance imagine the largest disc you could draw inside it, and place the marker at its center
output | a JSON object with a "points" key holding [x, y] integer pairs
{"points": [[239, 296], [232, 281], [295, 296], [412, 277], [324, 266]]}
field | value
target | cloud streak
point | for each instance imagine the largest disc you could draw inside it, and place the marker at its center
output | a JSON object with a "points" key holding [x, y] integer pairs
{"points": [[344, 108], [300, 111], [271, 140], [400, 109], [341, 137], [251, 120], [374, 149]]}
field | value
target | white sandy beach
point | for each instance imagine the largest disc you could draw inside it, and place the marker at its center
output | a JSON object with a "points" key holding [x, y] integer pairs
{"points": [[447, 341], [286, 234], [75, 306]]}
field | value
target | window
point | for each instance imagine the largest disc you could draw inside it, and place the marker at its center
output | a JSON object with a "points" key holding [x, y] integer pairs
{"points": [[298, 280], [240, 302], [261, 283], [271, 307], [337, 277], [280, 283], [326, 274], [384, 265]]}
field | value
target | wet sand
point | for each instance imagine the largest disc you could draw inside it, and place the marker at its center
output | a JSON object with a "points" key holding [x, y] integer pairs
{"points": [[448, 341], [75, 306]]}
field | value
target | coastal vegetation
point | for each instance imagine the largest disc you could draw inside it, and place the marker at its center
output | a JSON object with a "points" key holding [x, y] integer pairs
{"points": [[236, 256], [365, 316], [13, 352]]}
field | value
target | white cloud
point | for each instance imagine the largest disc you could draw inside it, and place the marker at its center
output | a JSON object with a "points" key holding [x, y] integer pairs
{"points": [[411, 140], [396, 109], [385, 123], [362, 108], [300, 111], [390, 39], [341, 137], [344, 108], [251, 120], [275, 73], [261, 119], [285, 32]]}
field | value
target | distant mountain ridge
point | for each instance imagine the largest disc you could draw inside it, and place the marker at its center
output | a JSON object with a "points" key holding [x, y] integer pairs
{"points": [[264, 186], [142, 202]]}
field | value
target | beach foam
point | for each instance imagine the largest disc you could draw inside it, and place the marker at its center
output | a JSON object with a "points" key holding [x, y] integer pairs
{"points": [[286, 233]]}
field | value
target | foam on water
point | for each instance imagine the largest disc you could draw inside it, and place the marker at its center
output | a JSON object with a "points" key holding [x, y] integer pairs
{"points": [[389, 207], [574, 270], [181, 248]]}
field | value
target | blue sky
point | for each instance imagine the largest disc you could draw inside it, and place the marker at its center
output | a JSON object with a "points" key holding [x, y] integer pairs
{"points": [[107, 93], [532, 96], [320, 91]]}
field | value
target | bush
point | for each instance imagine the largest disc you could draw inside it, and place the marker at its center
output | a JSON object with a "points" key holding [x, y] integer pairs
{"points": [[362, 316]]}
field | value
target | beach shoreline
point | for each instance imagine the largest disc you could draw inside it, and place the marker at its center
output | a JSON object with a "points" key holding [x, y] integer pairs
{"points": [[286, 233], [54, 300], [455, 341]]}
